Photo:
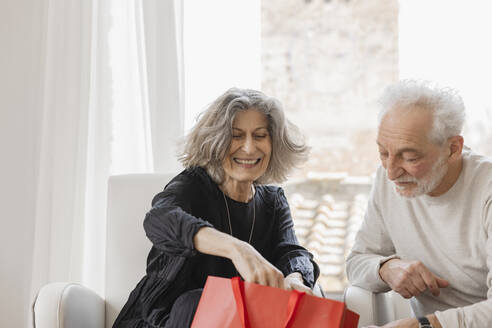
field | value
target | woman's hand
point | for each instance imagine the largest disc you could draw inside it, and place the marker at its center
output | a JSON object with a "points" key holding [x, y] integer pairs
{"points": [[248, 262], [255, 268], [294, 281]]}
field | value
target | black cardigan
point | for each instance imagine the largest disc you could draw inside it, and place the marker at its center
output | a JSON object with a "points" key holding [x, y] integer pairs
{"points": [[192, 201]]}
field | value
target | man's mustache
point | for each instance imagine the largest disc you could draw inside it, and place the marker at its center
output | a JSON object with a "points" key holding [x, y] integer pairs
{"points": [[406, 179]]}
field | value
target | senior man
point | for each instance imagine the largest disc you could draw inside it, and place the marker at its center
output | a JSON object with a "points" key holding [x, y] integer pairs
{"points": [[427, 232]]}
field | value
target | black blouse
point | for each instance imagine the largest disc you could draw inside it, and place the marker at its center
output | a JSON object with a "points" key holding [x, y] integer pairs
{"points": [[192, 201]]}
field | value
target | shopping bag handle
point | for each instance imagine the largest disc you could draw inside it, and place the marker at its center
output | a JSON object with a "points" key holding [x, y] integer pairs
{"points": [[238, 290]]}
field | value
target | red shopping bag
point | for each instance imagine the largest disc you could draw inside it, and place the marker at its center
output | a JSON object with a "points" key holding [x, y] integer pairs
{"points": [[232, 303]]}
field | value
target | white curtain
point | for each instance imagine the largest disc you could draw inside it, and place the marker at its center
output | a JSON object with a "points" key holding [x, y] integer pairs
{"points": [[62, 179], [113, 102], [163, 23]]}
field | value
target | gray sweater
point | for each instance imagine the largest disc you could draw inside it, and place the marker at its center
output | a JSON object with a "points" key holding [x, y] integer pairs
{"points": [[450, 234]]}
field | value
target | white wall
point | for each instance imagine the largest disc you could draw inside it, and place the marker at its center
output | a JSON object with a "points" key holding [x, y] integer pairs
{"points": [[21, 58]]}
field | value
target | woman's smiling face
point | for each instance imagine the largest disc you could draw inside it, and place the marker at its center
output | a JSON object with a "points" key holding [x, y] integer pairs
{"points": [[251, 147]]}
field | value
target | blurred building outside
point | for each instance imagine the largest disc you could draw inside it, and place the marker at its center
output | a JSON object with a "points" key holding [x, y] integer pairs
{"points": [[328, 61]]}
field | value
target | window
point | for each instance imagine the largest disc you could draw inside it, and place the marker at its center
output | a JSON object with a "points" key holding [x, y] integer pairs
{"points": [[328, 62]]}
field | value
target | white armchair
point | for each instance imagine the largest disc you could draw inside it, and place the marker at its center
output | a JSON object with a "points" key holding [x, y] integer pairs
{"points": [[68, 305], [377, 309]]}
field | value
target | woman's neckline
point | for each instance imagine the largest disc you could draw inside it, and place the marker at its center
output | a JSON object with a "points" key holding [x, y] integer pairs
{"points": [[253, 189]]}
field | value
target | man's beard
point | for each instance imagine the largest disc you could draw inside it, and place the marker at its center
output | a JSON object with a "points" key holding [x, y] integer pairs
{"points": [[425, 184]]}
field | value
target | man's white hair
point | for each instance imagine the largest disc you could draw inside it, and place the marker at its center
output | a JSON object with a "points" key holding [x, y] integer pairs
{"points": [[445, 104]]}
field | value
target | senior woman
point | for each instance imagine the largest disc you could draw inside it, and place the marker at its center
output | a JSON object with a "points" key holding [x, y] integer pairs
{"points": [[218, 217]]}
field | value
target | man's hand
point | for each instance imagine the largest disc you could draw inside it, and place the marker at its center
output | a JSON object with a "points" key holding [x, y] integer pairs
{"points": [[403, 323], [410, 278], [410, 323]]}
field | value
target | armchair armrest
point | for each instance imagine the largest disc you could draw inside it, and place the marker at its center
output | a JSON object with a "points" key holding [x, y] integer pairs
{"points": [[376, 308], [363, 302], [68, 305]]}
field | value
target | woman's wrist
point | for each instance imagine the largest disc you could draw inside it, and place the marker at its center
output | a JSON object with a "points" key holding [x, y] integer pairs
{"points": [[213, 242], [236, 248]]}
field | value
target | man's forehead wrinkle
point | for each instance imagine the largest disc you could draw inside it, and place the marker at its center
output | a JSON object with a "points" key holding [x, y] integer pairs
{"points": [[397, 138]]}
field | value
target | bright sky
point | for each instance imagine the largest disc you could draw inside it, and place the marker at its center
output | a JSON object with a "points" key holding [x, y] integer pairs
{"points": [[450, 41]]}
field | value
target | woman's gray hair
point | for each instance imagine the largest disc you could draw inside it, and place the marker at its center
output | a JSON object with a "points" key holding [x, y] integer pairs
{"points": [[208, 142], [445, 104]]}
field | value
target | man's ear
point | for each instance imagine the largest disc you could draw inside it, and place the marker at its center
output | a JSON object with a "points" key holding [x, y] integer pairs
{"points": [[455, 145]]}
